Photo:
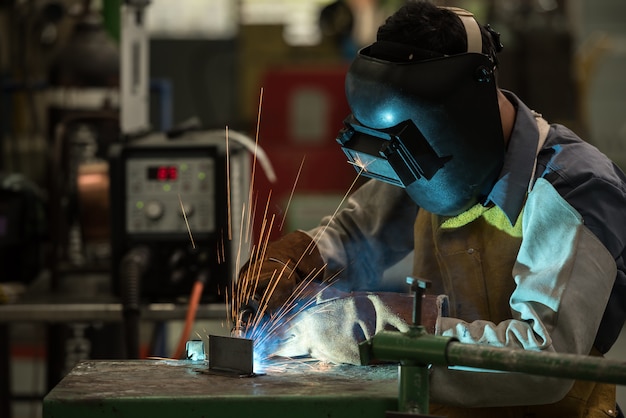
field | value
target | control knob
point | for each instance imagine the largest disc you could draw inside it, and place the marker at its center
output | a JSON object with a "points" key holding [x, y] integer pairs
{"points": [[154, 210]]}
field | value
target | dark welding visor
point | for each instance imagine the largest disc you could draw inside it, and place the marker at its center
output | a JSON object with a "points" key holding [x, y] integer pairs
{"points": [[398, 155]]}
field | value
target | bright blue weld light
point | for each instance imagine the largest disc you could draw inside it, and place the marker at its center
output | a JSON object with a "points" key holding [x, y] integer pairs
{"points": [[195, 350]]}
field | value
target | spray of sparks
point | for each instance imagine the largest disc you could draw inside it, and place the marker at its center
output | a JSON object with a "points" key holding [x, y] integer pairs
{"points": [[263, 328]]}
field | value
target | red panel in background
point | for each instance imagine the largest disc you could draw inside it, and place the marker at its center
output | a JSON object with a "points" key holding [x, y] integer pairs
{"points": [[302, 111], [281, 88]]}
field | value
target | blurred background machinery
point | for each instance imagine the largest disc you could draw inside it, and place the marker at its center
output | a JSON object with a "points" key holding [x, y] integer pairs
{"points": [[83, 114], [23, 227], [169, 195], [269, 69]]}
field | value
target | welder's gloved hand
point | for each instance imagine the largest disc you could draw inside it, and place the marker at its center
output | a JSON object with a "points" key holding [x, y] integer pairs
{"points": [[331, 330], [270, 278]]}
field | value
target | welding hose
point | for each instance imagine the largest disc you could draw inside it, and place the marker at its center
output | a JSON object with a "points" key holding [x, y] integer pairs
{"points": [[192, 308], [132, 268]]}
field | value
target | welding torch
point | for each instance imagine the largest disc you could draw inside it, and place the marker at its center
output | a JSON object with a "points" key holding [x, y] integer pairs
{"points": [[273, 278]]}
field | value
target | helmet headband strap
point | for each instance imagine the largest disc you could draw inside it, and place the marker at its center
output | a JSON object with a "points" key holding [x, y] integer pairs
{"points": [[472, 29]]}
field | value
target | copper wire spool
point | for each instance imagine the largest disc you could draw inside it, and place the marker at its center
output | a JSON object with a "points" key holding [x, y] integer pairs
{"points": [[93, 199]]}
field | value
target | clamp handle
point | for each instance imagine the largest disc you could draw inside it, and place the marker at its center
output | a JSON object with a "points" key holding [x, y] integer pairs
{"points": [[418, 287]]}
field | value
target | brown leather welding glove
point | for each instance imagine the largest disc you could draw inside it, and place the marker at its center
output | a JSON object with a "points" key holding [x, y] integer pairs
{"points": [[270, 278]]}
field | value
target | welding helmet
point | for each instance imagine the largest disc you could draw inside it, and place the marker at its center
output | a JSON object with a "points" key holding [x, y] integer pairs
{"points": [[427, 122]]}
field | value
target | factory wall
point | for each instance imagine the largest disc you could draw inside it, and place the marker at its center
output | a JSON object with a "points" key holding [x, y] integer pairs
{"points": [[601, 53], [602, 40]]}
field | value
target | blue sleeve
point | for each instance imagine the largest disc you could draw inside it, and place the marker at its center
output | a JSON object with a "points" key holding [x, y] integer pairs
{"points": [[592, 184]]}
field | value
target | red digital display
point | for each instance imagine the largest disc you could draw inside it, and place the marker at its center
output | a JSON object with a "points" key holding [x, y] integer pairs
{"points": [[163, 172]]}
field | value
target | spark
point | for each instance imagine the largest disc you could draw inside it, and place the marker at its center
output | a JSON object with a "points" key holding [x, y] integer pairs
{"points": [[230, 228], [299, 301], [221, 251], [182, 208], [256, 147], [345, 196], [358, 162], [265, 326], [293, 189]]}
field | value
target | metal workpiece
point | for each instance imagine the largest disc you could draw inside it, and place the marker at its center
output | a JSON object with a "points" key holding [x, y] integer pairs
{"points": [[231, 356], [182, 388]]}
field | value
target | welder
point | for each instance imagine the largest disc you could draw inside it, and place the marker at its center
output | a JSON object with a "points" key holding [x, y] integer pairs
{"points": [[517, 223]]}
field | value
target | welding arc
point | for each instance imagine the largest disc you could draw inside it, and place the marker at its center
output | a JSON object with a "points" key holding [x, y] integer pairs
{"points": [[194, 301], [257, 328]]}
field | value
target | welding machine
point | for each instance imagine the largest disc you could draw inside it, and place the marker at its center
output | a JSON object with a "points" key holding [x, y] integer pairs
{"points": [[171, 199]]}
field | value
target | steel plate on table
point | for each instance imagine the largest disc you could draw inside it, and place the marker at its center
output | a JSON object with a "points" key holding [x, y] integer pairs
{"points": [[169, 388]]}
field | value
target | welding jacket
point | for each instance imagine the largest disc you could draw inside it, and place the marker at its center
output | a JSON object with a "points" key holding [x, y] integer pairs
{"points": [[539, 265]]}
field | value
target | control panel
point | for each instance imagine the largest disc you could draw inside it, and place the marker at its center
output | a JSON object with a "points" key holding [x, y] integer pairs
{"points": [[173, 197], [170, 195]]}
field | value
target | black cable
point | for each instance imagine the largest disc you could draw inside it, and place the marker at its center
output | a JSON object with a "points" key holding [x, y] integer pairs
{"points": [[132, 268]]}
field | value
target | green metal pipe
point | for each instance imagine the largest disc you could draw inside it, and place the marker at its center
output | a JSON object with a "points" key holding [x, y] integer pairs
{"points": [[572, 366], [419, 348], [415, 350], [415, 345]]}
